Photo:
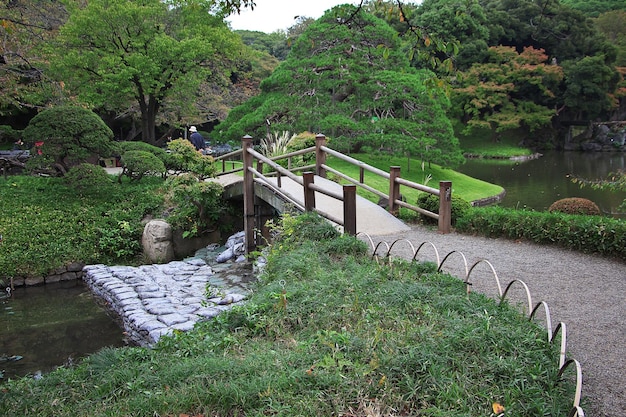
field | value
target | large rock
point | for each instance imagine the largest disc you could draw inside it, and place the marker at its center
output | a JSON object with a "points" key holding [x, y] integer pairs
{"points": [[157, 241]]}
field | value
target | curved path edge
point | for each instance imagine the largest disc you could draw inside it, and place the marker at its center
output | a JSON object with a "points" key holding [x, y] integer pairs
{"points": [[587, 292]]}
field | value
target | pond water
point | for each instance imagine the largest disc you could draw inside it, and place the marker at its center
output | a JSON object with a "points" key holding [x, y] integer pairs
{"points": [[537, 183], [50, 325]]}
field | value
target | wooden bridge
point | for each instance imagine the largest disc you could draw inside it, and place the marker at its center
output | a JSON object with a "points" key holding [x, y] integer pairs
{"points": [[311, 191]]}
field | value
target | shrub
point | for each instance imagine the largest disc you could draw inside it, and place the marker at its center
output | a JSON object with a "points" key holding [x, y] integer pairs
{"points": [[196, 205], [185, 158], [137, 164], [8, 134], [88, 179], [430, 202], [589, 234], [123, 147], [70, 135], [575, 205]]}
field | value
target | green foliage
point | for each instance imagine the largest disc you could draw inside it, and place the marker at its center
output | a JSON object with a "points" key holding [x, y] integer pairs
{"points": [[275, 44], [430, 202], [613, 25], [462, 21], [589, 234], [593, 8], [138, 164], [185, 158], [322, 335], [511, 91], [303, 228], [589, 86], [88, 179], [8, 135], [126, 146], [339, 80], [575, 205], [70, 135], [157, 54], [196, 205], [119, 239], [46, 224]]}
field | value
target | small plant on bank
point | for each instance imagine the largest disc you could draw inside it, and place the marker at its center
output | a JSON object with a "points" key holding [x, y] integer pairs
{"points": [[430, 202], [138, 164], [575, 205], [196, 205], [88, 179]]}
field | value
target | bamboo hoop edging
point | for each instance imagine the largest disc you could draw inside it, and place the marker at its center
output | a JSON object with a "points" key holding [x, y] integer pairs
{"points": [[528, 296], [576, 410], [563, 328], [579, 378], [434, 248], [548, 317], [495, 275], [389, 248], [448, 255]]}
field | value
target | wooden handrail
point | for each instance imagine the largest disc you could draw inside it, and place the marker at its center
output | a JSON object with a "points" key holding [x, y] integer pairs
{"points": [[356, 162]]}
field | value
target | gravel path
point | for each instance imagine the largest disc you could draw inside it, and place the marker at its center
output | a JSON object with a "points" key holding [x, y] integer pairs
{"points": [[586, 292]]}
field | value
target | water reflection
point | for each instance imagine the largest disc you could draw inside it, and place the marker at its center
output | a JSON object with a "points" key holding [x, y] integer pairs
{"points": [[536, 184], [51, 325]]}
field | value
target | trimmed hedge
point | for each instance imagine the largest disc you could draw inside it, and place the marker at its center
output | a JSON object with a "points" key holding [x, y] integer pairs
{"points": [[575, 205], [588, 234]]}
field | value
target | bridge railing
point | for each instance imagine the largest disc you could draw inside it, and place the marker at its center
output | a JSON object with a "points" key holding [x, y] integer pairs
{"points": [[394, 198], [252, 174]]}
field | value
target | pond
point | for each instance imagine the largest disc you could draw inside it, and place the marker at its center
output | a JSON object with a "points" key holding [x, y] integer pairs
{"points": [[537, 183], [45, 326]]}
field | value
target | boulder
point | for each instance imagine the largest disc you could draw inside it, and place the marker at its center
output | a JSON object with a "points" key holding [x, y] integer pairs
{"points": [[157, 241]]}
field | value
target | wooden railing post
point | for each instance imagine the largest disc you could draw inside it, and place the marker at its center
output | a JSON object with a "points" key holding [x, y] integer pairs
{"points": [[248, 195], [309, 193], [349, 209], [445, 206], [394, 190], [320, 155]]}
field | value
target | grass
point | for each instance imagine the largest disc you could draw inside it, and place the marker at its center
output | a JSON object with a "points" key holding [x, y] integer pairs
{"points": [[480, 143], [327, 332], [466, 187]]}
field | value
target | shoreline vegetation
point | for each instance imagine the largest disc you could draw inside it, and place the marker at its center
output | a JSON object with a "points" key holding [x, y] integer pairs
{"points": [[327, 331]]}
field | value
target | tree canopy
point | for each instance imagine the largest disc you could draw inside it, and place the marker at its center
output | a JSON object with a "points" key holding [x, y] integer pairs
{"points": [[348, 77], [113, 51], [23, 81], [510, 91]]}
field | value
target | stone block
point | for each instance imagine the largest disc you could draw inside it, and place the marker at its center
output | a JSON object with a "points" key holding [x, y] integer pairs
{"points": [[50, 279], [34, 281]]}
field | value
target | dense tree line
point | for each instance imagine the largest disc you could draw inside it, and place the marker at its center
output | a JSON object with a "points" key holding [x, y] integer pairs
{"points": [[156, 66]]}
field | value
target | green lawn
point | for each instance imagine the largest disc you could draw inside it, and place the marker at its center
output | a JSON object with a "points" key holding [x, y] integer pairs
{"points": [[466, 187]]}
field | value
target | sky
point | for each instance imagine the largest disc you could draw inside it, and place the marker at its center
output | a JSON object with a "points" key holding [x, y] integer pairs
{"points": [[272, 15]]}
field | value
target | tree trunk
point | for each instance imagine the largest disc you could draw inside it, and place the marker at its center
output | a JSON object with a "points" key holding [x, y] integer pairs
{"points": [[149, 111]]}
